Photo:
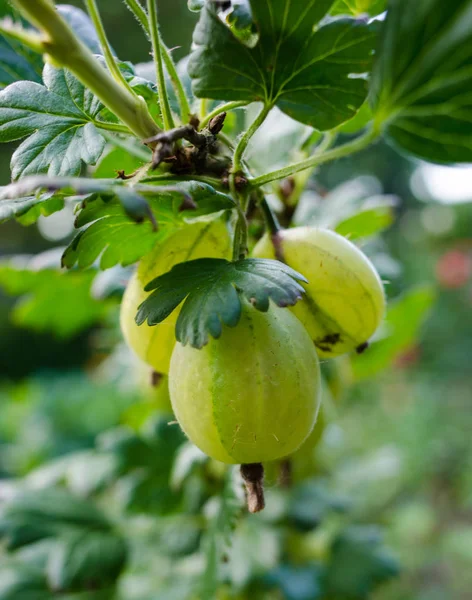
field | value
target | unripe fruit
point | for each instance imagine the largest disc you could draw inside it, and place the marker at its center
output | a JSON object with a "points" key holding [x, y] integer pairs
{"points": [[154, 344], [344, 302], [252, 395]]}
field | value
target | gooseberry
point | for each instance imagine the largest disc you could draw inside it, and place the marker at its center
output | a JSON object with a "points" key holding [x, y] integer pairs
{"points": [[344, 302], [252, 395]]}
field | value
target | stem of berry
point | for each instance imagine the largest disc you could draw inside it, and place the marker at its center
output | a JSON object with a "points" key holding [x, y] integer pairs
{"points": [[253, 477]]}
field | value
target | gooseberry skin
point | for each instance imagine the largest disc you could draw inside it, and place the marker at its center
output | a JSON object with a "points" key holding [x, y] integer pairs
{"points": [[251, 396], [344, 302], [154, 344]]}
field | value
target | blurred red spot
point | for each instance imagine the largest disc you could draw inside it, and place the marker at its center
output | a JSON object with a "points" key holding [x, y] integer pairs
{"points": [[453, 269]]}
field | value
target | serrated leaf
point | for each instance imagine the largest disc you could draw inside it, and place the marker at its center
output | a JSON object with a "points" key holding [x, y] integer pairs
{"points": [[405, 316], [86, 559], [358, 563], [359, 7], [212, 290], [422, 82], [311, 73], [58, 120], [74, 310], [28, 209], [116, 239]]}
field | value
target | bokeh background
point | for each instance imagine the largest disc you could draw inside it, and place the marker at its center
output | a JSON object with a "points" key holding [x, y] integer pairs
{"points": [[397, 445]]}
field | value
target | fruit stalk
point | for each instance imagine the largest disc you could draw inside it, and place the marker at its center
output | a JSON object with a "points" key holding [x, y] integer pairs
{"points": [[253, 477], [61, 44]]}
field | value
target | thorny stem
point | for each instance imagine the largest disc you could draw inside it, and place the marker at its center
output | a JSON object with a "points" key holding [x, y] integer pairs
{"points": [[105, 45], [246, 137], [177, 84], [61, 44], [317, 159], [140, 14], [253, 477], [241, 233], [161, 84], [221, 109]]}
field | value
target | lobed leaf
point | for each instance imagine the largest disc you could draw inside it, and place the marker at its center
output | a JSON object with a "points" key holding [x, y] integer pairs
{"points": [[118, 236], [312, 72], [57, 119], [212, 290], [422, 82]]}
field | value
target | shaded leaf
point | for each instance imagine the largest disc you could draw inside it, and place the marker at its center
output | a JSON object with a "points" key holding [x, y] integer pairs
{"points": [[311, 73], [297, 582], [359, 563], [116, 239], [311, 502], [211, 288], [40, 514], [73, 310], [422, 82], [22, 582], [17, 62], [86, 559]]}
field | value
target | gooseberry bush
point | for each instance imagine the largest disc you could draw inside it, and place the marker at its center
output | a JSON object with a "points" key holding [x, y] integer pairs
{"points": [[190, 186]]}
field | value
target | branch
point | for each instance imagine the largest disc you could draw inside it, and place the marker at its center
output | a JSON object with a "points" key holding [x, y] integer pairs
{"points": [[318, 159], [66, 50], [161, 84]]}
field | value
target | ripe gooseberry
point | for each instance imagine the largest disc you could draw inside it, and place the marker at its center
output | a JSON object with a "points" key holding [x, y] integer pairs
{"points": [[344, 302]]}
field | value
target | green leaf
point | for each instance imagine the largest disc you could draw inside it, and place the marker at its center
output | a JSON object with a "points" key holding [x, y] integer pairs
{"points": [[405, 316], [217, 539], [86, 559], [22, 582], [359, 7], [297, 582], [369, 222], [358, 564], [72, 312], [116, 239], [311, 502], [212, 289], [40, 514], [28, 209], [353, 209], [311, 73], [422, 82], [17, 62], [58, 121]]}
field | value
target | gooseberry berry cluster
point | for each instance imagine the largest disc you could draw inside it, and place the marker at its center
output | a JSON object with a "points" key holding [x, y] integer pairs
{"points": [[253, 395]]}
